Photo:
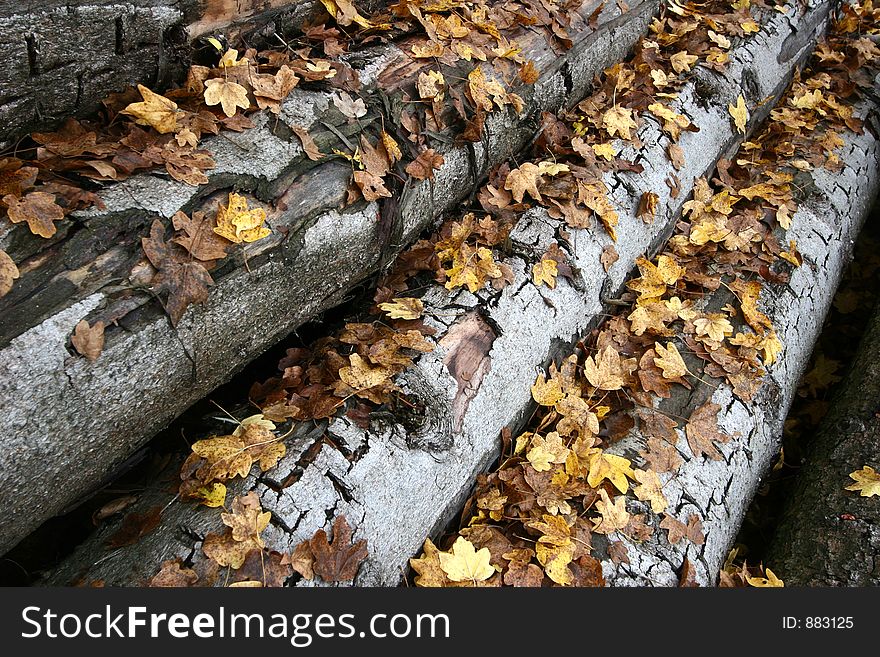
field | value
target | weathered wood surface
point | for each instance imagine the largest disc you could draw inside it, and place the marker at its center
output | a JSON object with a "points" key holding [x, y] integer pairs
{"points": [[398, 484], [63, 57], [70, 421], [829, 536]]}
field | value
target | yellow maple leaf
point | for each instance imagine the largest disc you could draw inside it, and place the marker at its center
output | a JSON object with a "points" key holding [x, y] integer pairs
{"points": [[360, 375], [155, 111], [555, 560], [608, 371], [867, 481], [391, 147], [547, 451], [545, 272], [403, 308], [346, 13], [771, 581], [472, 268], [464, 563], [212, 495], [714, 325], [670, 361], [430, 86], [682, 61], [229, 95], [606, 150], [547, 392], [238, 224], [615, 469], [618, 121], [740, 114], [650, 489], [614, 515], [430, 574]]}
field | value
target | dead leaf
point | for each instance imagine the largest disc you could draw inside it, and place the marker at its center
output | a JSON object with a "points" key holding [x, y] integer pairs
{"points": [[229, 95], [237, 223], [465, 564], [867, 482], [8, 273], [740, 114], [309, 146], [88, 340], [403, 308], [135, 526], [337, 561], [38, 209], [185, 280], [702, 429], [155, 111], [199, 237], [371, 186], [423, 167], [172, 574]]}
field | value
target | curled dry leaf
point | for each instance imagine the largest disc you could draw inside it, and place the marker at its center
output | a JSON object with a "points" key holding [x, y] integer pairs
{"points": [[237, 223], [309, 146], [371, 186], [88, 340], [155, 111]]}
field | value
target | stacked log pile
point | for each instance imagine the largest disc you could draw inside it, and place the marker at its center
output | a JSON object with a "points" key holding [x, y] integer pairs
{"points": [[400, 480]]}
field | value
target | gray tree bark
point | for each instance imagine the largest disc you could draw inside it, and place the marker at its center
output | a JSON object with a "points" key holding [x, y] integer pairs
{"points": [[829, 536], [398, 484]]}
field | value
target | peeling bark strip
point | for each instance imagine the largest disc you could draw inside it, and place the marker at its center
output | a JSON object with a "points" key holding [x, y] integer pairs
{"points": [[71, 421], [830, 536], [380, 478]]}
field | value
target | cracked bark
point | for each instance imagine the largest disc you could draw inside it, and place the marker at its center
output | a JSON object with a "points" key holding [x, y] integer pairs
{"points": [[71, 422], [829, 536], [400, 492]]}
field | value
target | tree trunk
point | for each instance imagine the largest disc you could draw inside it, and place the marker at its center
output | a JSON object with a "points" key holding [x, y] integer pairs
{"points": [[92, 416], [398, 483], [829, 536]]}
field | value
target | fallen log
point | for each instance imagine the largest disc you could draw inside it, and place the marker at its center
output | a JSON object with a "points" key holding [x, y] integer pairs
{"points": [[399, 481], [95, 414], [828, 535]]}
